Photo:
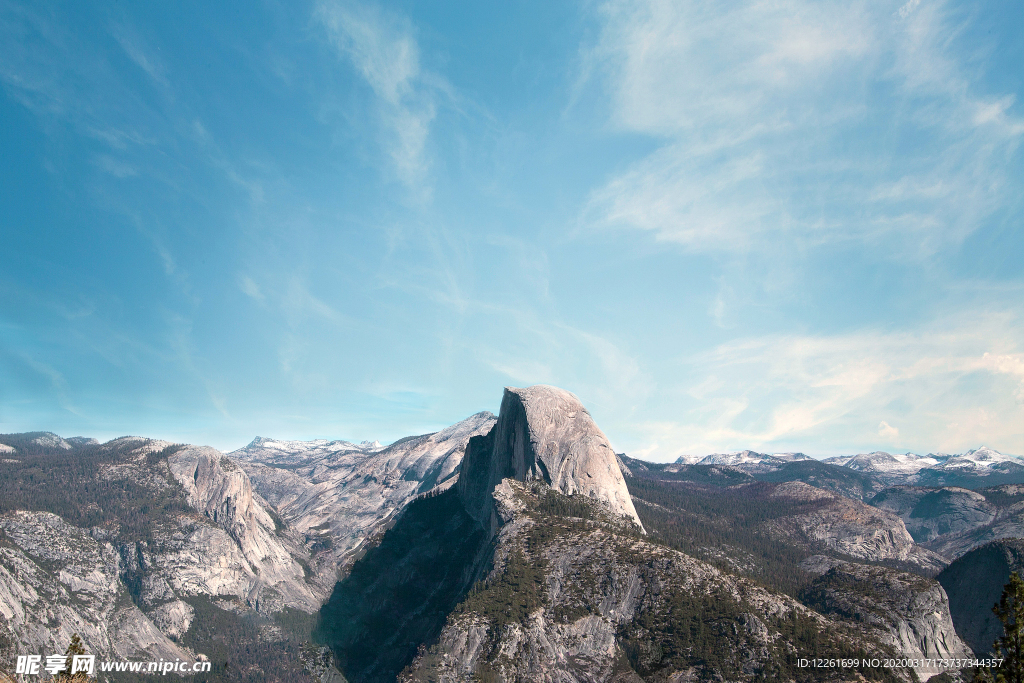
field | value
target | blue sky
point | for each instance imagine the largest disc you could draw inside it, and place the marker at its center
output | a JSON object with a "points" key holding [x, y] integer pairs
{"points": [[780, 226]]}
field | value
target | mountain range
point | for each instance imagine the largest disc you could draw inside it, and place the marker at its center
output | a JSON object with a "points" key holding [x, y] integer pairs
{"points": [[510, 547], [905, 468]]}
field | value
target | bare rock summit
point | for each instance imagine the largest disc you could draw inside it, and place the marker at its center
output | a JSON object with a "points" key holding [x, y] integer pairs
{"points": [[544, 433]]}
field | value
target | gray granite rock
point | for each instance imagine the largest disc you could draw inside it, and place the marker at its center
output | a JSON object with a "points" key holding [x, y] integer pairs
{"points": [[338, 494], [544, 433], [852, 528], [907, 612]]}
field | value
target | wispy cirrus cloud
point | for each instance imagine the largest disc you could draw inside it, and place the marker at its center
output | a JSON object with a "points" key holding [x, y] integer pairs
{"points": [[953, 384], [135, 47], [802, 122], [382, 47]]}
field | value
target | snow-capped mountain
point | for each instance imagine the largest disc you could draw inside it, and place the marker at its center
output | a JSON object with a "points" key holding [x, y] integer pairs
{"points": [[882, 462], [282, 452], [978, 460], [791, 457], [934, 469], [741, 458]]}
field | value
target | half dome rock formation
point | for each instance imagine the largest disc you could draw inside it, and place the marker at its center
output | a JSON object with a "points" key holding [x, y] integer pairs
{"points": [[543, 433], [399, 595]]}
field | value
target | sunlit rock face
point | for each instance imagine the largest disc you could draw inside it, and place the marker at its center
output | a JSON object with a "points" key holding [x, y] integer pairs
{"points": [[220, 490], [57, 580], [852, 528], [131, 585], [592, 601], [544, 433], [905, 611], [338, 494]]}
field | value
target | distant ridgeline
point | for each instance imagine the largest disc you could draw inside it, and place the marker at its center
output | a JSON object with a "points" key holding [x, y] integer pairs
{"points": [[508, 548], [102, 541], [51, 474], [552, 557]]}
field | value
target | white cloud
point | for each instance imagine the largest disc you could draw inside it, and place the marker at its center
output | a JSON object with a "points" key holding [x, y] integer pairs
{"points": [[887, 431], [530, 348], [522, 370], [135, 48], [382, 48], [301, 306], [802, 122], [118, 169], [952, 385], [908, 8], [250, 288]]}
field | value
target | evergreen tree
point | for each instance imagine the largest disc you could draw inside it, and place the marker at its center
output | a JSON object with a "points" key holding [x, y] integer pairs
{"points": [[75, 647], [1010, 647]]}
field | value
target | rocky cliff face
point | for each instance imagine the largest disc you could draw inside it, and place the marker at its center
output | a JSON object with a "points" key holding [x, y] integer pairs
{"points": [[932, 513], [57, 579], [974, 583], [952, 520], [532, 568], [588, 598], [164, 533], [909, 613], [852, 528], [337, 494], [268, 571], [545, 434]]}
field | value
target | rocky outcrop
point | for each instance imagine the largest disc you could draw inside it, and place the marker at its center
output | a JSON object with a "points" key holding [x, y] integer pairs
{"points": [[57, 580], [220, 490], [974, 583], [952, 520], [397, 596], [173, 618], [933, 513], [176, 529], [907, 612], [577, 599], [545, 434], [851, 528], [338, 494], [1008, 524]]}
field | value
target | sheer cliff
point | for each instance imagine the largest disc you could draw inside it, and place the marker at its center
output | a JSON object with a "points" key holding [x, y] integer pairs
{"points": [[907, 612], [545, 434], [147, 550], [535, 566], [975, 583], [338, 494]]}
